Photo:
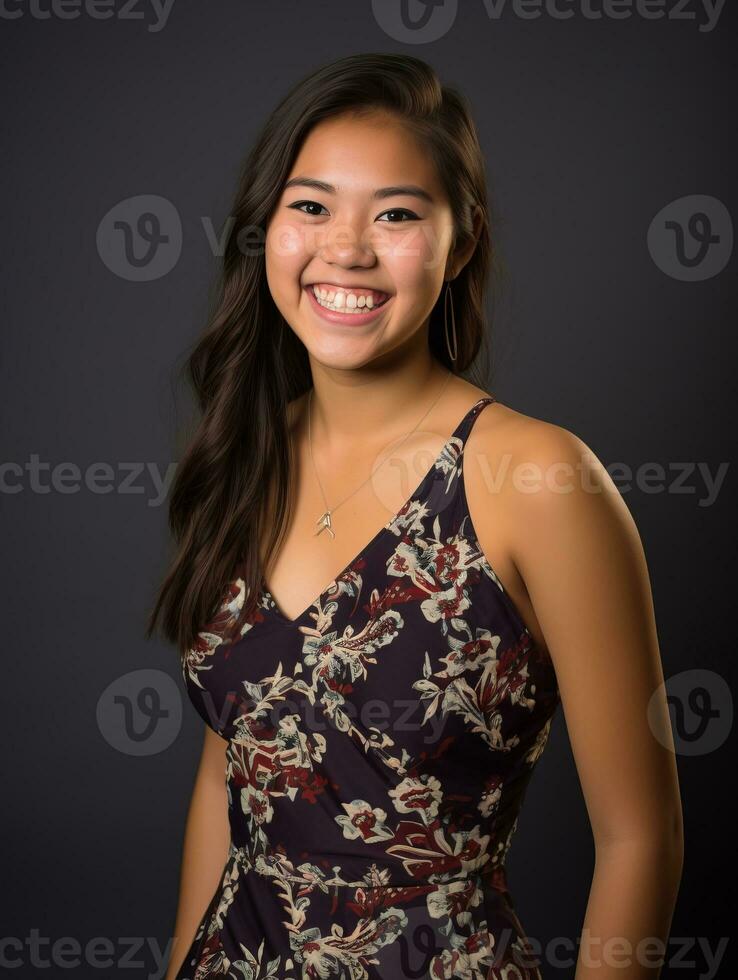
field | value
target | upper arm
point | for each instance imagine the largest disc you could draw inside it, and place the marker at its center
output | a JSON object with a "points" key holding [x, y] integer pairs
{"points": [[579, 553], [212, 766]]}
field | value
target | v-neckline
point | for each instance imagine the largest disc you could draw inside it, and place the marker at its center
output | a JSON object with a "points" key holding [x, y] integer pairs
{"points": [[266, 593]]}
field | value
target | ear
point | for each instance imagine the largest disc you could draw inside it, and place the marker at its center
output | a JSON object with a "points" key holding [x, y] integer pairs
{"points": [[460, 257]]}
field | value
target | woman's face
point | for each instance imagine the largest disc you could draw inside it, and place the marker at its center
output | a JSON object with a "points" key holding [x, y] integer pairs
{"points": [[363, 218]]}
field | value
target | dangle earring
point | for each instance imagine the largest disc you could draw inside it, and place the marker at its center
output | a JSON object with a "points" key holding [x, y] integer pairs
{"points": [[446, 298]]}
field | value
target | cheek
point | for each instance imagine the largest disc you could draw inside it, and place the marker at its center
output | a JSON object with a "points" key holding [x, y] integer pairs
{"points": [[415, 260], [285, 256]]}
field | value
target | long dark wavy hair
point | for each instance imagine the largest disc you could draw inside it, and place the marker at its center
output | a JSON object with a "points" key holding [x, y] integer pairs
{"points": [[248, 364]]}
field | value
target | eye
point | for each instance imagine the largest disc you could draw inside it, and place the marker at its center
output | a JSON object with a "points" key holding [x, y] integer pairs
{"points": [[411, 215], [299, 205]]}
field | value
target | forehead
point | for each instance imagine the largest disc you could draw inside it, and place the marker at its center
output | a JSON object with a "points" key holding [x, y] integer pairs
{"points": [[358, 154]]}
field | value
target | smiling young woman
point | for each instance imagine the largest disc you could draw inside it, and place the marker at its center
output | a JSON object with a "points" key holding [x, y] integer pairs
{"points": [[376, 643]]}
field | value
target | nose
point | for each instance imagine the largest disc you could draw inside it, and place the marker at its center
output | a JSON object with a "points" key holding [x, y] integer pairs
{"points": [[344, 244]]}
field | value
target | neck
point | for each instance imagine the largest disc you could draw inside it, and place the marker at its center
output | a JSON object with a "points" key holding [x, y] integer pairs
{"points": [[366, 405]]}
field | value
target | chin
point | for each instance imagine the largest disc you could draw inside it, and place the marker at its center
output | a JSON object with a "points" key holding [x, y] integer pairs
{"points": [[344, 355]]}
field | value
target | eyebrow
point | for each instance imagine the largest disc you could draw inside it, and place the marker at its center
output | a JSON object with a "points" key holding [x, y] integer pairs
{"points": [[409, 190]]}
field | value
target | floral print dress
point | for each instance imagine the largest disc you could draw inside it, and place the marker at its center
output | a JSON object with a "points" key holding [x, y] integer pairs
{"points": [[379, 747]]}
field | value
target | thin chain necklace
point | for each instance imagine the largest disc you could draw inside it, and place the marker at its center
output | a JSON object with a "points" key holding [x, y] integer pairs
{"points": [[324, 521]]}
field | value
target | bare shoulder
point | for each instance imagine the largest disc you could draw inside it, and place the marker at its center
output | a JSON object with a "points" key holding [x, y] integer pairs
{"points": [[539, 463], [542, 504]]}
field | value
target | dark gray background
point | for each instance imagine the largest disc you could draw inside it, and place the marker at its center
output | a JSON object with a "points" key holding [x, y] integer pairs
{"points": [[589, 127]]}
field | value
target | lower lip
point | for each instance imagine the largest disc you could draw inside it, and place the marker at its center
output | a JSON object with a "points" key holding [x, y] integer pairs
{"points": [[348, 319]]}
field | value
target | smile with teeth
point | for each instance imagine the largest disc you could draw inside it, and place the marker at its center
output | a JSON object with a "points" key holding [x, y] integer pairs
{"points": [[348, 300]]}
